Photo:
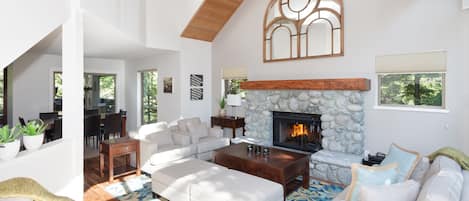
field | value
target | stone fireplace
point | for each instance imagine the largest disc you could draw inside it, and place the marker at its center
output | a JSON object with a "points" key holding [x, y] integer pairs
{"points": [[339, 103]]}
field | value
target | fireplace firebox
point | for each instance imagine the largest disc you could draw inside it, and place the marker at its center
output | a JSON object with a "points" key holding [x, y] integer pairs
{"points": [[297, 131]]}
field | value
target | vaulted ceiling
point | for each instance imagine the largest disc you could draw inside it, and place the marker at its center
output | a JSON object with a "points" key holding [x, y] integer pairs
{"points": [[210, 19]]}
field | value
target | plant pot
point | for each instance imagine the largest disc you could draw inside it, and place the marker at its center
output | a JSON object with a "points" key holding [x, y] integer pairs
{"points": [[222, 112], [33, 142], [9, 150]]}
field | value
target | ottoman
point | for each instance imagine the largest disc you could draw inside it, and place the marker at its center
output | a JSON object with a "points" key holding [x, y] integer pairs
{"points": [[233, 185], [173, 180]]}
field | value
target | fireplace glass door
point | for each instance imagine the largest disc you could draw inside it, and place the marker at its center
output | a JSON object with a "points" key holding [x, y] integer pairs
{"points": [[297, 131]]}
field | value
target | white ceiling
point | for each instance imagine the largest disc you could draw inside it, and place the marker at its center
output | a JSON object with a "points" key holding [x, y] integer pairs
{"points": [[101, 40]]}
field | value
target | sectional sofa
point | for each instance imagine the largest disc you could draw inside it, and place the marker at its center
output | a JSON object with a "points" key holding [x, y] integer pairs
{"points": [[189, 138]]}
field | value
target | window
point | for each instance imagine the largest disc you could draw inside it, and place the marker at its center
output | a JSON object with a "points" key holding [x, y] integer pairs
{"points": [[412, 80], [99, 92], [3, 96], [412, 89], [149, 81], [232, 86], [231, 81]]}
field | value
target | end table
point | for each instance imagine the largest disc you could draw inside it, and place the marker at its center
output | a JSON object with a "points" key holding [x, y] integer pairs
{"points": [[228, 122], [119, 147]]}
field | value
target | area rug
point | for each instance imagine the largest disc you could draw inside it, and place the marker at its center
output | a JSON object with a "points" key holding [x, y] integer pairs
{"points": [[139, 189]]}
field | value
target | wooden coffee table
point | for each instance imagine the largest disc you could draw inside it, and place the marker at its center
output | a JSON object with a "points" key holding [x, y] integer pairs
{"points": [[109, 149], [279, 166]]}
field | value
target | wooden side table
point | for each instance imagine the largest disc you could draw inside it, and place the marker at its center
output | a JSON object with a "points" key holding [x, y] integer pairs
{"points": [[109, 149], [228, 122]]}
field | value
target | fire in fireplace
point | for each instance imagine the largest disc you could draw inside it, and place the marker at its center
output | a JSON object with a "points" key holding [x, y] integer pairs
{"points": [[297, 131]]}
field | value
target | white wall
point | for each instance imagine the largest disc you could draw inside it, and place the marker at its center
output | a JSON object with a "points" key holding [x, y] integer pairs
{"points": [[126, 15], [165, 21], [384, 27], [466, 81], [32, 87], [25, 22], [196, 58], [57, 166], [169, 105]]}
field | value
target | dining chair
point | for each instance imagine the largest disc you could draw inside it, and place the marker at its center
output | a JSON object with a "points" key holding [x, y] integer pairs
{"points": [[112, 125], [92, 129], [48, 115], [22, 122], [56, 132]]}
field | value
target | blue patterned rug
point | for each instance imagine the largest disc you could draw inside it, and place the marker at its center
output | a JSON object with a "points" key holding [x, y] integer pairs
{"points": [[139, 189]]}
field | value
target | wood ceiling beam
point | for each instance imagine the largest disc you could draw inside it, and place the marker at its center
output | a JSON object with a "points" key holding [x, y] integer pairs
{"points": [[210, 19]]}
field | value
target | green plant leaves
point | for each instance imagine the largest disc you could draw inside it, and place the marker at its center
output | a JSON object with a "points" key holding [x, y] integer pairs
{"points": [[33, 128], [8, 135]]}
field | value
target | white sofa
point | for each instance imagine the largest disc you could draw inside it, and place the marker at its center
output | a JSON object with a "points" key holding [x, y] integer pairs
{"points": [[443, 180], [160, 145], [198, 180], [205, 138]]}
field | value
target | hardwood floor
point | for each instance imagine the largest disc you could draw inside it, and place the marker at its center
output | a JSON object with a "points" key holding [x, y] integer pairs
{"points": [[94, 184]]}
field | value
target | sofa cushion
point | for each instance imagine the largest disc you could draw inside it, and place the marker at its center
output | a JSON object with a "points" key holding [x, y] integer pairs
{"points": [[406, 160], [161, 138], [465, 188], [182, 124], [200, 130], [211, 143], [405, 191], [446, 185], [442, 163], [148, 129], [236, 186], [422, 167], [170, 153], [365, 175]]}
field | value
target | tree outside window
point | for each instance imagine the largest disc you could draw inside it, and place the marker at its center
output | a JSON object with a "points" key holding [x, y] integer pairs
{"points": [[149, 97], [412, 89], [232, 86]]}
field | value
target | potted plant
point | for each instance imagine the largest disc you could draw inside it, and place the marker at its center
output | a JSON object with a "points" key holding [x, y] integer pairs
{"points": [[33, 134], [9, 142], [222, 106]]}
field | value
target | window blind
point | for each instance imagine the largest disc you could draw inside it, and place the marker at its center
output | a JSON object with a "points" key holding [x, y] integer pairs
{"points": [[410, 63], [234, 73]]}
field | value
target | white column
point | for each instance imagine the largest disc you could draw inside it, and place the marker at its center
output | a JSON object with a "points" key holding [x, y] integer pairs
{"points": [[72, 67]]}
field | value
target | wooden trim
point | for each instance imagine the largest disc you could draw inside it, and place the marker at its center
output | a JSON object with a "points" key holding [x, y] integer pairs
{"points": [[359, 84]]}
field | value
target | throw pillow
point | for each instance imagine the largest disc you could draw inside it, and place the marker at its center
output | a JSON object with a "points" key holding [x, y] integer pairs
{"points": [[406, 191], [161, 138], [405, 159], [446, 185], [199, 130], [419, 173], [366, 175]]}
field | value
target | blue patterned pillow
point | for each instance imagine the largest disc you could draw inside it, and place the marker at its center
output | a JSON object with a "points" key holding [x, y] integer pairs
{"points": [[366, 175], [405, 159]]}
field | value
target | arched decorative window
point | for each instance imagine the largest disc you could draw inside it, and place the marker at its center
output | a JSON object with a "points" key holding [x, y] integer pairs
{"points": [[299, 29]]}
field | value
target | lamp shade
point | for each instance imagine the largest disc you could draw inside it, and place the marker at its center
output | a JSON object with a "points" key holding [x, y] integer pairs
{"points": [[233, 100]]}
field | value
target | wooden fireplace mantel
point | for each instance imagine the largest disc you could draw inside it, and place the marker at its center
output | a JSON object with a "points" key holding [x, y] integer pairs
{"points": [[358, 84]]}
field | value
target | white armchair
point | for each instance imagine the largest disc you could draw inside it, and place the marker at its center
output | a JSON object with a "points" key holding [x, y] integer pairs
{"points": [[160, 145], [207, 139]]}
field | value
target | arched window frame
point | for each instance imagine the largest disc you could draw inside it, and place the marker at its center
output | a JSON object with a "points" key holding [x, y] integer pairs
{"points": [[298, 23]]}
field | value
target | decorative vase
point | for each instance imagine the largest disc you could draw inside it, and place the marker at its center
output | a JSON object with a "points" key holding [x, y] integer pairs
{"points": [[9, 150], [222, 112], [33, 142]]}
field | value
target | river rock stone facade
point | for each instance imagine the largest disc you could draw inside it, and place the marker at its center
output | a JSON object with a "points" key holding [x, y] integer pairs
{"points": [[342, 115]]}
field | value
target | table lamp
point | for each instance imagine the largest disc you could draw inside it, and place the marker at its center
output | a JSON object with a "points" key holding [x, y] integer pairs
{"points": [[234, 100]]}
